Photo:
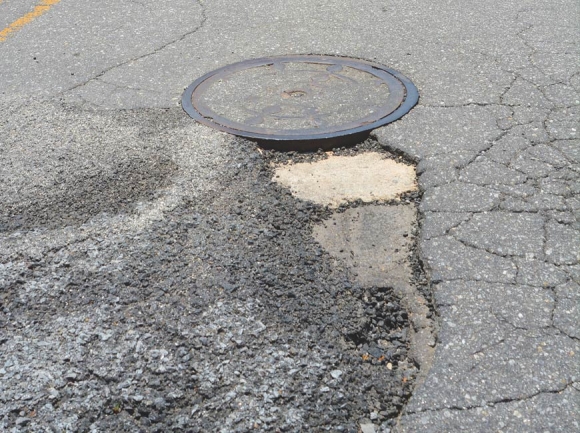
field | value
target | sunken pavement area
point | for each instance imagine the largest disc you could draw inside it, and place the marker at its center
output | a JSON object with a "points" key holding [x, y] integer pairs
{"points": [[156, 275]]}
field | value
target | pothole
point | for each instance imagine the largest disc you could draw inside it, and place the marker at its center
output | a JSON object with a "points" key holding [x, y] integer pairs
{"points": [[371, 231], [376, 243]]}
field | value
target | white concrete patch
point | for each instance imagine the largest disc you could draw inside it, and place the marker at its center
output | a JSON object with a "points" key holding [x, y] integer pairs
{"points": [[340, 179]]}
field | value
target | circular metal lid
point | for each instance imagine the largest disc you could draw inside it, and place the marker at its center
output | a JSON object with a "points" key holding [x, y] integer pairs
{"points": [[300, 102]]}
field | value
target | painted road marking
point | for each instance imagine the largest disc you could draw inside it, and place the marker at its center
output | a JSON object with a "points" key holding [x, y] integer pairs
{"points": [[38, 10]]}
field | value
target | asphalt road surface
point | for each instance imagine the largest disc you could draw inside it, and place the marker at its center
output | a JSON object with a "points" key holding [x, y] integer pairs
{"points": [[154, 275]]}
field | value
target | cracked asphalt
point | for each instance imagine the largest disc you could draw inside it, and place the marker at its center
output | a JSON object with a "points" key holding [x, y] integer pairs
{"points": [[153, 277]]}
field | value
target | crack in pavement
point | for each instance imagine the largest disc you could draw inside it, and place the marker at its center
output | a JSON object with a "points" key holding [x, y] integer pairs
{"points": [[516, 118], [143, 56], [492, 403], [118, 86]]}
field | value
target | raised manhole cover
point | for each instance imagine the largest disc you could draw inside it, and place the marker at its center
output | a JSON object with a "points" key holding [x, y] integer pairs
{"points": [[300, 102]]}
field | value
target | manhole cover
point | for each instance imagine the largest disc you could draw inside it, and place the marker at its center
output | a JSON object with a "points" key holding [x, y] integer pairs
{"points": [[300, 102]]}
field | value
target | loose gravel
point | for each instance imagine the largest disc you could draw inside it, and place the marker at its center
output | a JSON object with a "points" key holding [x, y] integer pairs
{"points": [[224, 315]]}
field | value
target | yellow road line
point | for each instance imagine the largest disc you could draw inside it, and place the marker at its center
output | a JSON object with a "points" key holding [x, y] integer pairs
{"points": [[38, 10]]}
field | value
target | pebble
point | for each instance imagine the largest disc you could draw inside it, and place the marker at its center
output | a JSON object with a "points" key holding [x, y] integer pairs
{"points": [[367, 428]]}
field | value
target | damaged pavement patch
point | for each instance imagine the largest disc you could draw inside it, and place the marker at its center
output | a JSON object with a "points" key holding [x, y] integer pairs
{"points": [[209, 306], [374, 242]]}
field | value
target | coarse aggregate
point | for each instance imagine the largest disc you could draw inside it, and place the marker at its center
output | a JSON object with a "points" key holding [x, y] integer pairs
{"points": [[221, 314], [495, 135]]}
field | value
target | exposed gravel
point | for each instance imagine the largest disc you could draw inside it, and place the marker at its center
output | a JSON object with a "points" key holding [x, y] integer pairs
{"points": [[224, 315]]}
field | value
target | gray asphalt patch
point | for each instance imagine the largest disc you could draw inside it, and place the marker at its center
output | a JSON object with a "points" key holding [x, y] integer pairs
{"points": [[80, 198], [65, 166]]}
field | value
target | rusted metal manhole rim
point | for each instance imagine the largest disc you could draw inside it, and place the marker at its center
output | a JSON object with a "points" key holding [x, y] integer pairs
{"points": [[301, 102]]}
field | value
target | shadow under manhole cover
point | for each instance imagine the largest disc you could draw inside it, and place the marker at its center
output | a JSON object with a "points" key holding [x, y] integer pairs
{"points": [[300, 102]]}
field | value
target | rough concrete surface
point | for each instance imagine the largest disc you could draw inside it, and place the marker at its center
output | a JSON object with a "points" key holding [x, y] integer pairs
{"points": [[153, 277], [375, 243], [353, 237], [340, 179]]}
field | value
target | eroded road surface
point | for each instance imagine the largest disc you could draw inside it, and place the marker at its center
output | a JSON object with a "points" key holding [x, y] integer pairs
{"points": [[157, 275]]}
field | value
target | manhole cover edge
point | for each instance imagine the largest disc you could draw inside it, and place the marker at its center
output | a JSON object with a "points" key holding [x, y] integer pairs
{"points": [[309, 140]]}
